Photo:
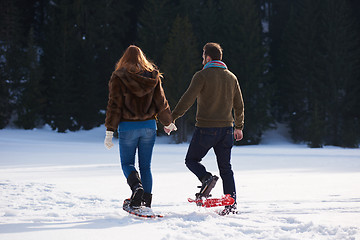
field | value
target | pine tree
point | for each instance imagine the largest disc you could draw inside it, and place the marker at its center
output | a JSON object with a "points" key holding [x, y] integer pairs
{"points": [[100, 31], [245, 55], [316, 134], [279, 20], [5, 108], [322, 76], [84, 40], [340, 60], [209, 20], [57, 59], [355, 7], [155, 23], [106, 28], [181, 60], [30, 104], [11, 65], [301, 61]]}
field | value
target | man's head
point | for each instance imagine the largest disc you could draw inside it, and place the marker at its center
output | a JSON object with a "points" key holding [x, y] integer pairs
{"points": [[211, 51]]}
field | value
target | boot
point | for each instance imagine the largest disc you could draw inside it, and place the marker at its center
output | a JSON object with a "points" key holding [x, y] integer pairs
{"points": [[229, 209], [137, 189], [208, 183], [146, 201]]}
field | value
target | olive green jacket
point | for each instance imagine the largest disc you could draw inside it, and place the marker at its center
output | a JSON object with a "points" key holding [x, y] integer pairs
{"points": [[218, 93]]}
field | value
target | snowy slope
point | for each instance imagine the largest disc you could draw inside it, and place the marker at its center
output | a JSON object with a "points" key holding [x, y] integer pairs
{"points": [[68, 186]]}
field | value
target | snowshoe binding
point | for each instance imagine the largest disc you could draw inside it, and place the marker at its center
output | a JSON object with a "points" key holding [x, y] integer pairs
{"points": [[208, 183], [228, 210], [142, 212]]}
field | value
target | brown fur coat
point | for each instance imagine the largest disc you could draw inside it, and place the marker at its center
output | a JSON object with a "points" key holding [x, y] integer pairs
{"points": [[134, 97]]}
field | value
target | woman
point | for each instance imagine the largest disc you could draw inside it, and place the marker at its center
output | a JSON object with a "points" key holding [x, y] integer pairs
{"points": [[136, 100]]}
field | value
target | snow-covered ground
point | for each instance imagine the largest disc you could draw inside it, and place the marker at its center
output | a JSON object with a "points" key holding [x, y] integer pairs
{"points": [[68, 186]]}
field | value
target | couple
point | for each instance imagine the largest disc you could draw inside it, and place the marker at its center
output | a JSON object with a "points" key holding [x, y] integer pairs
{"points": [[137, 99]]}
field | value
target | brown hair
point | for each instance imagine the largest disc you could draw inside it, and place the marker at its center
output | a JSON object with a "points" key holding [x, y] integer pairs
{"points": [[134, 60], [213, 50]]}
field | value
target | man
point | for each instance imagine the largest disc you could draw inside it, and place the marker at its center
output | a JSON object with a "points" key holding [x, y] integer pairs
{"points": [[218, 94]]}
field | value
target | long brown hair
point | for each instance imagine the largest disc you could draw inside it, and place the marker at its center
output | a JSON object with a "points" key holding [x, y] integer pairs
{"points": [[134, 60]]}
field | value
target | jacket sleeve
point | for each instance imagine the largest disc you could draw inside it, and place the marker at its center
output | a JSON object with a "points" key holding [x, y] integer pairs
{"points": [[189, 97], [114, 107], [162, 105], [238, 104]]}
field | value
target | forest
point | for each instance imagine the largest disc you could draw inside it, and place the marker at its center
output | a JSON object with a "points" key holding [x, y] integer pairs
{"points": [[297, 61]]}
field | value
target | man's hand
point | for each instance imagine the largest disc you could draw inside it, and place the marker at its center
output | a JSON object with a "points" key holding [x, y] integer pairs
{"points": [[238, 134], [108, 140], [170, 128]]}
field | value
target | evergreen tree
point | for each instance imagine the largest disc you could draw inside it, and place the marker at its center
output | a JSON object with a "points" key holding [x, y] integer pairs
{"points": [[101, 32], [84, 40], [11, 52], [30, 104], [181, 60], [355, 7], [5, 108], [279, 18], [301, 63], [316, 134], [322, 76], [340, 63], [209, 23], [245, 55], [106, 27], [59, 47], [155, 23]]}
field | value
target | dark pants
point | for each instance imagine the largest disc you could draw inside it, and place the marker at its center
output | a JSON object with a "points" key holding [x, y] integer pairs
{"points": [[221, 139]]}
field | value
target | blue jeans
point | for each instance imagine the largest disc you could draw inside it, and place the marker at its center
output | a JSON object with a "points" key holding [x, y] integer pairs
{"points": [[142, 140], [222, 140]]}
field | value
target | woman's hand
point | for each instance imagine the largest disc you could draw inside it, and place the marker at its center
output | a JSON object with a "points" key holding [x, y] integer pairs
{"points": [[108, 140]]}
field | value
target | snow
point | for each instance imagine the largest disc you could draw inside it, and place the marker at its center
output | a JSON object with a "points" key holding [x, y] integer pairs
{"points": [[68, 186]]}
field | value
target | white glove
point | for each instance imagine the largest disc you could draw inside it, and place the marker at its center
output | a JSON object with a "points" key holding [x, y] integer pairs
{"points": [[108, 139], [170, 128]]}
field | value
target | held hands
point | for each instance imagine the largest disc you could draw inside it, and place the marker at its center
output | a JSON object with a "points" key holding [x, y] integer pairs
{"points": [[170, 128], [108, 140]]}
